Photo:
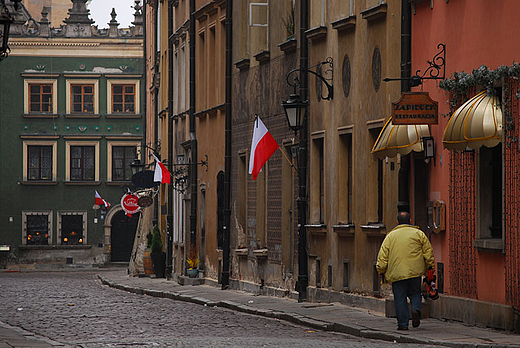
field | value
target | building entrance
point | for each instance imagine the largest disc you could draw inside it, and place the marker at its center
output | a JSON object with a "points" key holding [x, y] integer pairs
{"points": [[122, 236]]}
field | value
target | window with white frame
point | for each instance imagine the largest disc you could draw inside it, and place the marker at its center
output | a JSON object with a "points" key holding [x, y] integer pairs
{"points": [[72, 228], [40, 97], [39, 160], [82, 161], [82, 97], [123, 97], [119, 156], [37, 227]]}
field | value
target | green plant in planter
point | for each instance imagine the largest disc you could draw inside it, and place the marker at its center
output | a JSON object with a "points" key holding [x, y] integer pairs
{"points": [[288, 22], [156, 245], [158, 256], [149, 238]]}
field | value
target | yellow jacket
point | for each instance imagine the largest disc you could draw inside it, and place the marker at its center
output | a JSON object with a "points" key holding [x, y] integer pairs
{"points": [[405, 253]]}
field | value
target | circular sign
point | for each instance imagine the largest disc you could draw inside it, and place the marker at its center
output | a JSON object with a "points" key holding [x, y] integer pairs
{"points": [[129, 203], [145, 201]]}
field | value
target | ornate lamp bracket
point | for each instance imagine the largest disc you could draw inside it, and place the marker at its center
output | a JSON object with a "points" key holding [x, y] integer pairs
{"points": [[293, 79]]}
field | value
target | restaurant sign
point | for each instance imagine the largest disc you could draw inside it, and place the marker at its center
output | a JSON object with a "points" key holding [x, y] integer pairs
{"points": [[415, 108]]}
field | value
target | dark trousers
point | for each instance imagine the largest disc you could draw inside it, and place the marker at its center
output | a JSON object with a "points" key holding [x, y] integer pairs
{"points": [[402, 289]]}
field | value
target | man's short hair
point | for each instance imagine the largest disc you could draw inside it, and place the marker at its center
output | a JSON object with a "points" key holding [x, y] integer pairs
{"points": [[403, 217]]}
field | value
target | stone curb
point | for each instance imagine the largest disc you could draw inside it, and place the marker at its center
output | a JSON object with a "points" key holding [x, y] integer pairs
{"points": [[351, 329]]}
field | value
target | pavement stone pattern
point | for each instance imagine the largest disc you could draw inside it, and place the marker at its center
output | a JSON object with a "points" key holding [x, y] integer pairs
{"points": [[75, 309]]}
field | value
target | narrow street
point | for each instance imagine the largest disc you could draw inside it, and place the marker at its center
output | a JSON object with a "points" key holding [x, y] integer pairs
{"points": [[74, 308]]}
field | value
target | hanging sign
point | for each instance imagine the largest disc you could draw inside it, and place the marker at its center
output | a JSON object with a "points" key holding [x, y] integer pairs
{"points": [[129, 203], [415, 108], [145, 201]]}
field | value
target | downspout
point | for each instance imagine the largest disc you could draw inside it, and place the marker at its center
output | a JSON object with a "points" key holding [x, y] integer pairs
{"points": [[169, 217], [406, 45], [145, 73], [156, 103], [228, 135], [193, 134], [303, 269]]}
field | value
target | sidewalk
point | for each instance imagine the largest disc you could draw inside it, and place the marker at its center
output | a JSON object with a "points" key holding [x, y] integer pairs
{"points": [[324, 316], [14, 337]]}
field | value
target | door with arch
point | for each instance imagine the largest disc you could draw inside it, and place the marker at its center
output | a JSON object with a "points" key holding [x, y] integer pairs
{"points": [[122, 234]]}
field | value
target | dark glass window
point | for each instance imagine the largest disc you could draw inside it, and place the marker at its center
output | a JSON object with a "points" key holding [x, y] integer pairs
{"points": [[39, 163], [72, 229], [82, 99], [82, 163], [123, 99], [37, 229], [40, 98], [122, 156]]}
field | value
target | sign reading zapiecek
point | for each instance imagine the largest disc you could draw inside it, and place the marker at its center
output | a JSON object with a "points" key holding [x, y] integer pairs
{"points": [[415, 108]]}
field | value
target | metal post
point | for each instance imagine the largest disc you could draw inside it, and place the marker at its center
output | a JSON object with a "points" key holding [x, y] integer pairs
{"points": [[169, 216], [303, 276], [193, 132]]}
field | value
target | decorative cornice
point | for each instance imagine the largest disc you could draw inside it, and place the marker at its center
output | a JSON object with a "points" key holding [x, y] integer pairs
{"points": [[82, 137], [123, 137], [345, 23], [39, 136], [54, 44]]}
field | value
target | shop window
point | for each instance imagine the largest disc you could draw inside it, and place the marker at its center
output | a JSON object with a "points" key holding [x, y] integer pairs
{"points": [[40, 97], [123, 97], [82, 161], [490, 192], [72, 228], [375, 176], [37, 228], [39, 161]]}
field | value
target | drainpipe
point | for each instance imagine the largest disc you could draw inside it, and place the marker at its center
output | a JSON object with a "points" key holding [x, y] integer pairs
{"points": [[303, 269], [406, 45], [169, 217], [228, 134], [156, 104], [193, 133]]}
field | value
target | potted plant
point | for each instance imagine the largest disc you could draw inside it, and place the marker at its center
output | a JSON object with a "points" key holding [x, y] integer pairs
{"points": [[157, 253], [288, 22], [147, 258], [192, 264]]}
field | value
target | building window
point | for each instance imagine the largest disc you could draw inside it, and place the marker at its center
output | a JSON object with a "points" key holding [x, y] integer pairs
{"points": [[375, 179], [82, 97], [122, 156], [490, 192], [39, 165], [37, 228], [82, 101], [39, 159], [123, 97], [82, 161], [72, 228], [318, 181], [345, 199], [40, 98]]}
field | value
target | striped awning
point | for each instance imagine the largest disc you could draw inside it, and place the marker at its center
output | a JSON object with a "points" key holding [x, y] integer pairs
{"points": [[476, 123], [401, 139]]}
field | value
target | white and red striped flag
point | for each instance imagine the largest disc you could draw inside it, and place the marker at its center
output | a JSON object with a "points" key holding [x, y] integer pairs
{"points": [[262, 147], [161, 174], [101, 201]]}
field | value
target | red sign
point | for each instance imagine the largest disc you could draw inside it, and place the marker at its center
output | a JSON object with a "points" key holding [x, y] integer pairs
{"points": [[415, 108], [129, 203]]}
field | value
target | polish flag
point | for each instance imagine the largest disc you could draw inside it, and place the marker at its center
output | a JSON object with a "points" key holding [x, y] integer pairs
{"points": [[262, 147], [161, 174], [101, 201]]}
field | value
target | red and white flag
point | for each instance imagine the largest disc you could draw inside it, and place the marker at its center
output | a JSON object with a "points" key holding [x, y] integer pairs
{"points": [[262, 147], [101, 201], [161, 174]]}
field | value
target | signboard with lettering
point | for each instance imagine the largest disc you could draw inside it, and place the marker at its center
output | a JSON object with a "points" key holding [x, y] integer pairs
{"points": [[129, 203], [415, 108]]}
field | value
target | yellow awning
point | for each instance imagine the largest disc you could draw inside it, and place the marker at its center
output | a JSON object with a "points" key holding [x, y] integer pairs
{"points": [[477, 122], [401, 139]]}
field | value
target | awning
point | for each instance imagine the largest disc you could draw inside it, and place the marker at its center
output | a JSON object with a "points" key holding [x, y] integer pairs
{"points": [[401, 139], [477, 122]]}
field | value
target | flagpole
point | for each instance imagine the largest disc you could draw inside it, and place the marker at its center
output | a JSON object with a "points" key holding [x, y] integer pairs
{"points": [[288, 160]]}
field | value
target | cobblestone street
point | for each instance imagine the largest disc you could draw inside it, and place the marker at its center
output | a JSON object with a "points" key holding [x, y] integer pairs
{"points": [[74, 308]]}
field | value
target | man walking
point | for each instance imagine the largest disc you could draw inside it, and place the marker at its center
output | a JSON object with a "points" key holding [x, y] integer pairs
{"points": [[404, 256]]}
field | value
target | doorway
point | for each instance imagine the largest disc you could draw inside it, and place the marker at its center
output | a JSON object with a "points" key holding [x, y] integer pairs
{"points": [[122, 234]]}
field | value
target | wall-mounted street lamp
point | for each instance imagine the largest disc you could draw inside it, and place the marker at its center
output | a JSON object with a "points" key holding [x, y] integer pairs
{"points": [[296, 112], [429, 147], [5, 23]]}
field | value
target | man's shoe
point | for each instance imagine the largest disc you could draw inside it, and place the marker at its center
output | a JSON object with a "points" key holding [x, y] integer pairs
{"points": [[402, 328], [416, 318]]}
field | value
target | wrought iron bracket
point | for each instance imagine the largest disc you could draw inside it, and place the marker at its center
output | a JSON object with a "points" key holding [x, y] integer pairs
{"points": [[434, 70], [294, 80]]}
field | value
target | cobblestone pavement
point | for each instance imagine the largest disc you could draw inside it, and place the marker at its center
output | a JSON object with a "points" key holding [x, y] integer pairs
{"points": [[74, 308]]}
